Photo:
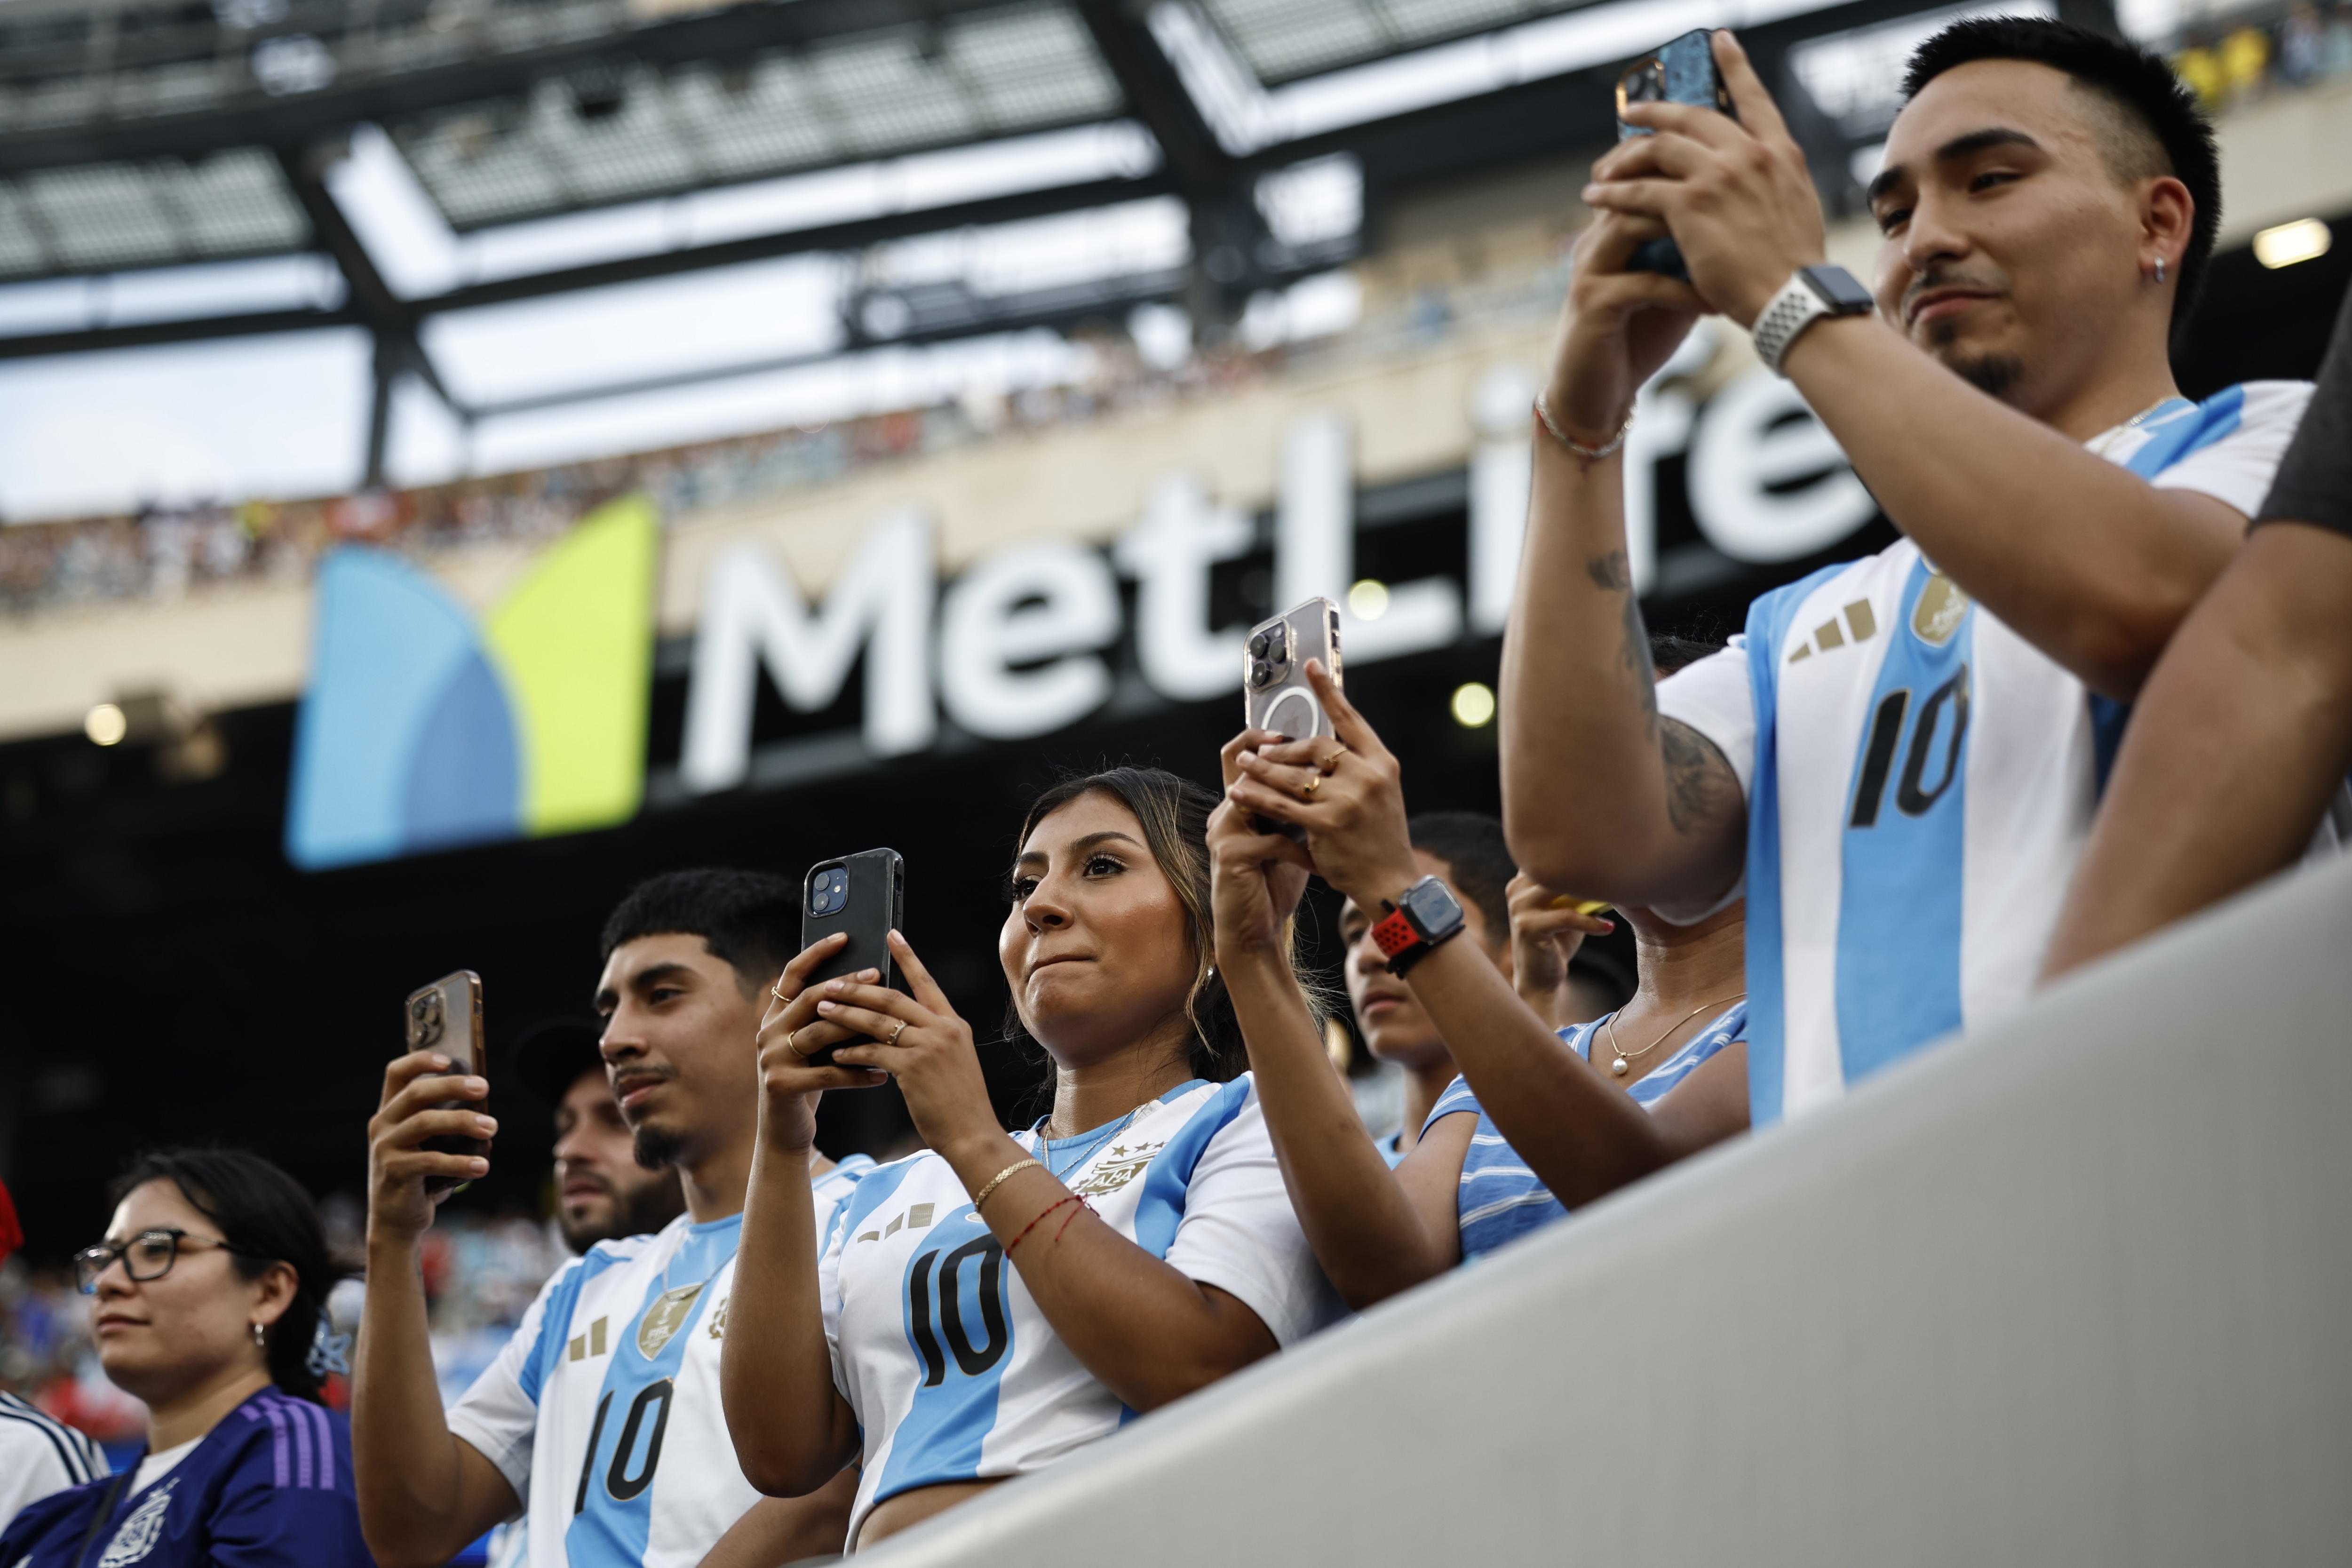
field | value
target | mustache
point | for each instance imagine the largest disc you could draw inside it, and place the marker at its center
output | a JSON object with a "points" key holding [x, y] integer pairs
{"points": [[1945, 277]]}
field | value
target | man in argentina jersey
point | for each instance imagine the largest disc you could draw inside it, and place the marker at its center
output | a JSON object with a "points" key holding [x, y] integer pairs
{"points": [[1906, 751], [601, 1418], [989, 1389]]}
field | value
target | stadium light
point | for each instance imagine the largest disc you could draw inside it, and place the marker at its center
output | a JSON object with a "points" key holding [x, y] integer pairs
{"points": [[1369, 599], [106, 724], [2304, 239], [1473, 704]]}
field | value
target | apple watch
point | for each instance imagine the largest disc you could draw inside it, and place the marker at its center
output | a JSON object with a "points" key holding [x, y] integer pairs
{"points": [[1815, 292], [1420, 918]]}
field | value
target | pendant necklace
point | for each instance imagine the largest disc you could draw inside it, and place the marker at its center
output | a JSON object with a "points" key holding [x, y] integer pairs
{"points": [[1624, 1063]]}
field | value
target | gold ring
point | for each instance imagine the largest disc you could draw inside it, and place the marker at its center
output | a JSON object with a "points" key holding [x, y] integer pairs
{"points": [[896, 1033], [1332, 762], [790, 1037], [1312, 785], [777, 990]]}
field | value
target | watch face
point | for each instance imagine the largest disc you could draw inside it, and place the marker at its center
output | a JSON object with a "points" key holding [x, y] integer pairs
{"points": [[1840, 289], [1432, 906]]}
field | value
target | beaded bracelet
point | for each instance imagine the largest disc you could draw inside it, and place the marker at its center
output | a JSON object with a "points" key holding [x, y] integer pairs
{"points": [[1049, 1208], [1590, 454]]}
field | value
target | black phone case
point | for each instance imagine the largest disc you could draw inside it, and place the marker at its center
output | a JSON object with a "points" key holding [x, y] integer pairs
{"points": [[1686, 65], [878, 883]]}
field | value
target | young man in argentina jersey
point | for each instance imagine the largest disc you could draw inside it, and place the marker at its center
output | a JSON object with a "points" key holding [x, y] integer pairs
{"points": [[1477, 1177], [991, 1305], [1902, 755], [600, 1421]]}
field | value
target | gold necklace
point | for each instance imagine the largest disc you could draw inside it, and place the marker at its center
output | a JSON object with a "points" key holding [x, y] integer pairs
{"points": [[1624, 1058]]}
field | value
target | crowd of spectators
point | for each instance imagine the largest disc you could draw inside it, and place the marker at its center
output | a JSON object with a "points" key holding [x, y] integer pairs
{"points": [[815, 1355]]}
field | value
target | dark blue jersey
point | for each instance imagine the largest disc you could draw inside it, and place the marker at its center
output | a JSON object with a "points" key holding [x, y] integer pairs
{"points": [[269, 1487]]}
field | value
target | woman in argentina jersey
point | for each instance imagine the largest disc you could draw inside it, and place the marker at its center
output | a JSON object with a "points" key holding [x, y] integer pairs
{"points": [[1467, 1187], [1150, 1244]]}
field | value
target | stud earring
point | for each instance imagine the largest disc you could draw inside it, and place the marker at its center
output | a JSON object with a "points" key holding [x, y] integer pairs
{"points": [[259, 1343], [2160, 269]]}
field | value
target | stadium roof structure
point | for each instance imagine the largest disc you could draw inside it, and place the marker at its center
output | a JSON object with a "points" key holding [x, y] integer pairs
{"points": [[139, 134]]}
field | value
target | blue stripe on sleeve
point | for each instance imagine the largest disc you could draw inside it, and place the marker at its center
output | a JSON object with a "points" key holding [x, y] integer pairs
{"points": [[1161, 1209]]}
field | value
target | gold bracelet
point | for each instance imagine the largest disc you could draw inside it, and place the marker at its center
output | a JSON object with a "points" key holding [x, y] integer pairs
{"points": [[981, 1196]]}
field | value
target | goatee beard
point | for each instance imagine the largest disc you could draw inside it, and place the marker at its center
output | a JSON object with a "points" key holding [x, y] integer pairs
{"points": [[657, 1148], [1995, 376]]}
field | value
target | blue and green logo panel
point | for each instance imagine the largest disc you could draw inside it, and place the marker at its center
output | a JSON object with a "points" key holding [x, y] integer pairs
{"points": [[422, 728]]}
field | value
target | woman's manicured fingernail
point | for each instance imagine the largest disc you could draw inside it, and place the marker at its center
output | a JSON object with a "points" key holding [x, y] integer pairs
{"points": [[829, 1006], [475, 1086], [438, 1061]]}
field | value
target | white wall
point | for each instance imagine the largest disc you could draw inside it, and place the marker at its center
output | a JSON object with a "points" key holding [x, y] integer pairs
{"points": [[2072, 1292]]}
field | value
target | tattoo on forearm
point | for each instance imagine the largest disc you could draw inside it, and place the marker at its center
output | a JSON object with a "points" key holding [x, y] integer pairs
{"points": [[1612, 574], [1701, 788]]}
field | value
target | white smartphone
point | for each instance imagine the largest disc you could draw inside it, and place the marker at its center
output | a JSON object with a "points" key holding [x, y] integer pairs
{"points": [[1274, 692]]}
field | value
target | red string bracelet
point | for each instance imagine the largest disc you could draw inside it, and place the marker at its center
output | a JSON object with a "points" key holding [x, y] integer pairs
{"points": [[1084, 1207], [1049, 1208]]}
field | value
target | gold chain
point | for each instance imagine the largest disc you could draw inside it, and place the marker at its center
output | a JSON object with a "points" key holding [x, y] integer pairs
{"points": [[1624, 1063]]}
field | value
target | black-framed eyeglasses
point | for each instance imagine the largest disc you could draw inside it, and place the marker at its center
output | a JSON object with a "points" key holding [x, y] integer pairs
{"points": [[147, 1256]]}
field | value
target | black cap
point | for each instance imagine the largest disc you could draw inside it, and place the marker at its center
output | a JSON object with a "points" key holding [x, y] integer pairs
{"points": [[554, 1052]]}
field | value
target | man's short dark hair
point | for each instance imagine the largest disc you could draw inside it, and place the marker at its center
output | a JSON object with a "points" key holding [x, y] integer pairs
{"points": [[751, 919], [2150, 123], [1477, 860]]}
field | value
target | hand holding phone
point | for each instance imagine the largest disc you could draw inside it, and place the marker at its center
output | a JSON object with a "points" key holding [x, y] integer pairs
{"points": [[446, 1016], [1683, 71], [862, 895]]}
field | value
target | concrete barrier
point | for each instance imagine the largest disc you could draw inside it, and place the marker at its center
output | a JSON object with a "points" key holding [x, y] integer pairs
{"points": [[2077, 1290]]}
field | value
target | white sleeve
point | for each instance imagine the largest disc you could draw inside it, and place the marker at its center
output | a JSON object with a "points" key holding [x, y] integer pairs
{"points": [[498, 1417], [2237, 469], [828, 1288], [1712, 696], [31, 1468], [1240, 1234]]}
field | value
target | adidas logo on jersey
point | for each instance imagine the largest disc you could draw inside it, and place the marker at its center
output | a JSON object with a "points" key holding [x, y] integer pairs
{"points": [[590, 1343], [1860, 623], [914, 1218]]}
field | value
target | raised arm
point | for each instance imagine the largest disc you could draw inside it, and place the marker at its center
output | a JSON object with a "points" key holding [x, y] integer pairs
{"points": [[2090, 563], [793, 1430], [1599, 795], [1375, 1231], [424, 1492], [1578, 1133], [1147, 1331]]}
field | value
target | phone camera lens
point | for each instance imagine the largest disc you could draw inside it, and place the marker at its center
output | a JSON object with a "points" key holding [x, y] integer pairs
{"points": [[1258, 646], [1260, 673], [1277, 644]]}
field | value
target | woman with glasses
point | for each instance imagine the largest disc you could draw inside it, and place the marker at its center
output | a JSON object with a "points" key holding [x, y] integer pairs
{"points": [[210, 1289]]}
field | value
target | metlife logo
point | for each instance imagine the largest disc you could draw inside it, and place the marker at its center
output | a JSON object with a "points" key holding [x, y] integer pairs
{"points": [[1025, 641]]}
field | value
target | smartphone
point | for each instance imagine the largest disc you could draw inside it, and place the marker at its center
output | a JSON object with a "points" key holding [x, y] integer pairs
{"points": [[863, 895], [1680, 72], [1274, 692], [446, 1016]]}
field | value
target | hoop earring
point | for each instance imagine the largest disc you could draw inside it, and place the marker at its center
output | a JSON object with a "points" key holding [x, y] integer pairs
{"points": [[2160, 269]]}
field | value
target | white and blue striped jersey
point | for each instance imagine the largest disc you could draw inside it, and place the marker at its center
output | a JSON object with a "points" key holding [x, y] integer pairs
{"points": [[1920, 780], [39, 1455], [1501, 1199], [952, 1369], [603, 1411]]}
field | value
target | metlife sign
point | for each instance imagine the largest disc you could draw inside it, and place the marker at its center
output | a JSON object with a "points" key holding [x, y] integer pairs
{"points": [[423, 728], [1020, 644]]}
